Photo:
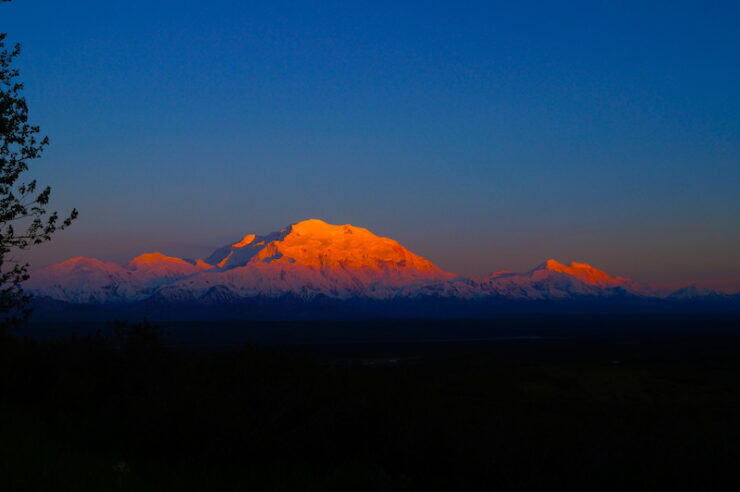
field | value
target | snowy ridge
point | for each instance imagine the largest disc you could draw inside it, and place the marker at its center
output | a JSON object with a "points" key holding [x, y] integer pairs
{"points": [[311, 259]]}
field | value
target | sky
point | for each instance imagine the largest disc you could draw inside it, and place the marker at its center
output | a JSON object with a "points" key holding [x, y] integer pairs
{"points": [[481, 135]]}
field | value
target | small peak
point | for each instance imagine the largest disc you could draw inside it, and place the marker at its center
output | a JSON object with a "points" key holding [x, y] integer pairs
{"points": [[155, 257], [555, 265], [312, 221], [318, 226], [552, 265], [203, 265], [157, 260], [82, 263], [82, 259], [581, 271], [583, 266], [245, 241], [311, 224]]}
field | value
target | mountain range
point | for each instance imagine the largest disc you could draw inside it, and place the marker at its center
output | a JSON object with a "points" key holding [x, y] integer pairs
{"points": [[313, 263]]}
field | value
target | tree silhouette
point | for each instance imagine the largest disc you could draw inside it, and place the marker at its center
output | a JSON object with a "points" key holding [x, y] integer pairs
{"points": [[24, 220]]}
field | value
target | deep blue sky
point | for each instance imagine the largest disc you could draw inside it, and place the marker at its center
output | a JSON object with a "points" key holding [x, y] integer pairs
{"points": [[481, 135]]}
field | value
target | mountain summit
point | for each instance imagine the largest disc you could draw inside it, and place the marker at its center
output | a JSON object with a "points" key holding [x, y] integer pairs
{"points": [[305, 259], [314, 243], [312, 261], [584, 272]]}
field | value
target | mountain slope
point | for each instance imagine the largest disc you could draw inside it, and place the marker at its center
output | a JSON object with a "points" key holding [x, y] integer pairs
{"points": [[314, 243], [306, 259], [311, 260], [86, 280], [554, 280]]}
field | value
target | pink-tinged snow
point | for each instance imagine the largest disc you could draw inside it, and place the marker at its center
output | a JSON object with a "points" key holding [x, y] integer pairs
{"points": [[309, 259], [86, 280], [314, 243], [555, 280], [278, 278], [157, 265]]}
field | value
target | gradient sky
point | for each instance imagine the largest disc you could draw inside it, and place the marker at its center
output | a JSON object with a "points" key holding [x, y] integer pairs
{"points": [[481, 135]]}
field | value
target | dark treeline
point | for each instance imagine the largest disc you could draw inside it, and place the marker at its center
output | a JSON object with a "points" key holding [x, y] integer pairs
{"points": [[122, 412]]}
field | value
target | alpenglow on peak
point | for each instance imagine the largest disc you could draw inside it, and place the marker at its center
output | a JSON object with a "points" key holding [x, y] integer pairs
{"points": [[318, 244], [313, 259]]}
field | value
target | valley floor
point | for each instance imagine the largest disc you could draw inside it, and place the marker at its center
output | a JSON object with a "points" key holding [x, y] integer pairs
{"points": [[535, 404]]}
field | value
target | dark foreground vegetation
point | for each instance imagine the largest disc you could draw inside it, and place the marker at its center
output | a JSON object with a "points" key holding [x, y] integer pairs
{"points": [[122, 412]]}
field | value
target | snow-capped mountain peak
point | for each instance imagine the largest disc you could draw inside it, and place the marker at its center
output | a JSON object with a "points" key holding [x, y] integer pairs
{"points": [[313, 258], [583, 272], [153, 265], [307, 258], [317, 244]]}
